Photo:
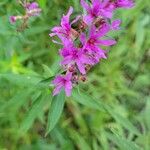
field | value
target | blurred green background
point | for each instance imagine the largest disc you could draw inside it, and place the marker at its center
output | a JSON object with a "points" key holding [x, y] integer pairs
{"points": [[121, 82]]}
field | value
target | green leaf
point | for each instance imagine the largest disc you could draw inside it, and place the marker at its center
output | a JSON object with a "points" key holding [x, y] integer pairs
{"points": [[37, 30], [42, 3], [87, 100], [18, 100], [122, 120], [33, 113], [103, 139], [47, 71], [55, 111], [20, 80], [79, 140], [147, 113], [92, 103], [122, 143], [45, 83]]}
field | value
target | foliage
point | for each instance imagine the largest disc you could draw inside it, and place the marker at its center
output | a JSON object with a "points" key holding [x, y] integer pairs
{"points": [[110, 111]]}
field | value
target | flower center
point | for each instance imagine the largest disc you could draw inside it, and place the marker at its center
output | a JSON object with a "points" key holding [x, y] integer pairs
{"points": [[74, 54], [91, 41]]}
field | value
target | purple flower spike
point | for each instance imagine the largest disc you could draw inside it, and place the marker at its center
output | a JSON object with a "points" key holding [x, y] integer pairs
{"points": [[63, 82], [82, 43]]}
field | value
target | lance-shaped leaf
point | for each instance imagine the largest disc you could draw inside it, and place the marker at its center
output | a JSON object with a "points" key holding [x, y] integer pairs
{"points": [[33, 113], [90, 102], [87, 100], [55, 111], [122, 142]]}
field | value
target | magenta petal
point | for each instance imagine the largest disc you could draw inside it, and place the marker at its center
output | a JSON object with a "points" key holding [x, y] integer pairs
{"points": [[68, 85], [83, 38], [67, 60], [70, 11], [85, 5], [125, 3], [104, 30], [88, 19], [68, 91], [65, 19], [64, 52], [86, 60], [65, 23], [96, 6], [32, 6], [107, 14], [107, 42], [102, 53], [66, 42], [81, 67], [57, 80], [68, 76], [57, 89], [92, 31], [104, 3], [57, 30], [116, 24]]}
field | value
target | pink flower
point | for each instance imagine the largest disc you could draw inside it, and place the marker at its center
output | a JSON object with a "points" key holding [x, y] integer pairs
{"points": [[97, 9], [32, 6], [94, 41], [95, 36], [63, 82], [12, 19], [33, 9], [65, 29]]}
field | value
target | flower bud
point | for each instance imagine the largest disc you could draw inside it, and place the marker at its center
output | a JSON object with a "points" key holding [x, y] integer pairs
{"points": [[12, 19]]}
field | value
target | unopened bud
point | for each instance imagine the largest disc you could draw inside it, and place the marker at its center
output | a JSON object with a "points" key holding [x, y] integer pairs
{"points": [[82, 78], [12, 19], [74, 34], [71, 69], [99, 22], [87, 67], [82, 26]]}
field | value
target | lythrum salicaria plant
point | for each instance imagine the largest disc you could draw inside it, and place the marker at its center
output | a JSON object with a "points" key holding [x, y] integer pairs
{"points": [[83, 38], [84, 43]]}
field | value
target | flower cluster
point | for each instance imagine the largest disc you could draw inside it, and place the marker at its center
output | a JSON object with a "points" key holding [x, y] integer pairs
{"points": [[83, 38], [31, 9]]}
